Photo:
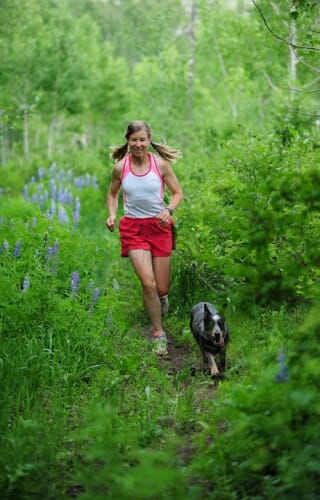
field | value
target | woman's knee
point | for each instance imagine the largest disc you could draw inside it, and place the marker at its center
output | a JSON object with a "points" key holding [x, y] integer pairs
{"points": [[162, 291], [149, 286]]}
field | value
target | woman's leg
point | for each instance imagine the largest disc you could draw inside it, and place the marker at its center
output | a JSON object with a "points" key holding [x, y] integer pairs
{"points": [[162, 274], [162, 271], [142, 264]]}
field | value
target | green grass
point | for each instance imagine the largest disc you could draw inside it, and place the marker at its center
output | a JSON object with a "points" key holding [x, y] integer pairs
{"points": [[87, 410]]}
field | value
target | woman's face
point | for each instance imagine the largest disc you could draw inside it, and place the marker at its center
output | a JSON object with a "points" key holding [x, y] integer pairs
{"points": [[138, 143]]}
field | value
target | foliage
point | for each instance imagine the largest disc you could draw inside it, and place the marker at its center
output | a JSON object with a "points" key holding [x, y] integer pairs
{"points": [[244, 232], [86, 409], [262, 422]]}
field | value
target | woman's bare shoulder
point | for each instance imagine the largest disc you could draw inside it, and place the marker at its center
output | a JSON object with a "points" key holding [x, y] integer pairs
{"points": [[163, 165], [117, 167]]}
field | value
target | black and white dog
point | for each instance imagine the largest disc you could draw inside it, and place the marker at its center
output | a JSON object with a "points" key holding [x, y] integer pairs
{"points": [[212, 335]]}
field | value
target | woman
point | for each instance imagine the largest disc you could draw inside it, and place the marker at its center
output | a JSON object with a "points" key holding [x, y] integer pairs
{"points": [[146, 228]]}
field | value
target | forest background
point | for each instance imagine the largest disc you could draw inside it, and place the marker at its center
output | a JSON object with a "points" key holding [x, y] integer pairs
{"points": [[86, 409]]}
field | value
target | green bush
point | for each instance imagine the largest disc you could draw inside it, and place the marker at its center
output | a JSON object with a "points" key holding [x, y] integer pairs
{"points": [[264, 442]]}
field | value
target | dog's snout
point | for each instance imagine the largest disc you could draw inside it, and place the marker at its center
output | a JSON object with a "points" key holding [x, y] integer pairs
{"points": [[217, 336]]}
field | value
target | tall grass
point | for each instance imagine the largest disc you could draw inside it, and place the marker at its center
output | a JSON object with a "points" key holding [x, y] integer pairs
{"points": [[87, 411]]}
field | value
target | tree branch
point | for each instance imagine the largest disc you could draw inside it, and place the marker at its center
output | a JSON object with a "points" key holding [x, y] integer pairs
{"points": [[294, 46]]}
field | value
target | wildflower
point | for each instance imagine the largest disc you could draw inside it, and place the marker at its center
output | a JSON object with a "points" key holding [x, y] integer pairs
{"points": [[53, 190], [76, 217], [90, 285], [95, 298], [53, 207], [63, 216], [53, 250], [25, 284], [75, 281], [5, 246], [17, 249], [282, 374], [25, 192], [116, 285], [95, 295], [41, 201], [52, 168], [41, 173], [62, 194]]}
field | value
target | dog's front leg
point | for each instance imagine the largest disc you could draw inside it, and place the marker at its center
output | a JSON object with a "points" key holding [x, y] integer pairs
{"points": [[214, 372], [223, 359]]}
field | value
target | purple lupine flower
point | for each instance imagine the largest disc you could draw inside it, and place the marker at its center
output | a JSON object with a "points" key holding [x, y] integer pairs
{"points": [[90, 285], [69, 200], [41, 201], [63, 216], [25, 284], [75, 282], [282, 374], [17, 250], [95, 295], [52, 168], [25, 192], [53, 190], [76, 217], [77, 204], [62, 194], [53, 207], [41, 173], [1, 191], [53, 250], [95, 298], [33, 180]]}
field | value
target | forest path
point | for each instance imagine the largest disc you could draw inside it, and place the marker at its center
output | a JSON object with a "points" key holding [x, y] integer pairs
{"points": [[179, 358]]}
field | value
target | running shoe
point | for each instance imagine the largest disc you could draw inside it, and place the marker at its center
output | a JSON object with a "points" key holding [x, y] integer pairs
{"points": [[160, 345]]}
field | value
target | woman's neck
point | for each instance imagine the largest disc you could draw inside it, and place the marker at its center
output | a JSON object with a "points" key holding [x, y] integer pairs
{"points": [[140, 161]]}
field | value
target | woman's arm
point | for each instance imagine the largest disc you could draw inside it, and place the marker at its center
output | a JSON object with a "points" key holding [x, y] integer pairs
{"points": [[171, 181], [112, 196]]}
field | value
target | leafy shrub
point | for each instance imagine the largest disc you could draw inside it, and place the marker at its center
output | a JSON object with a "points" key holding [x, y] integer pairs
{"points": [[264, 442], [252, 234]]}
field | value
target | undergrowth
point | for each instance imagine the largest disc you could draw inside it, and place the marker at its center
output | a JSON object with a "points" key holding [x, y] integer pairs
{"points": [[88, 411]]}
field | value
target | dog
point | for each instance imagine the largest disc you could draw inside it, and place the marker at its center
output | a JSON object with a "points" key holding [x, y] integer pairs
{"points": [[212, 335]]}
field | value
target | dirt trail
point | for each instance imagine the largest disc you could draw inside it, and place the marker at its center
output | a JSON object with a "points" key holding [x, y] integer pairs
{"points": [[178, 359]]}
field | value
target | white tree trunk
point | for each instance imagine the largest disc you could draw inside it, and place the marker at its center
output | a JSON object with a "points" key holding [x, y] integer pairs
{"points": [[293, 60], [26, 146], [50, 138]]}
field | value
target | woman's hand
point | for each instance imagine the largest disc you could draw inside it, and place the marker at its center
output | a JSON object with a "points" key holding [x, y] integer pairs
{"points": [[164, 217], [111, 223]]}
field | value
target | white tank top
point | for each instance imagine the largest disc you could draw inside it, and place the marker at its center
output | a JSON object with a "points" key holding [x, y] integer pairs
{"points": [[142, 194]]}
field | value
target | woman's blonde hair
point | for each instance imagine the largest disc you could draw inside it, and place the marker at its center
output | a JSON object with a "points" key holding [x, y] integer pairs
{"points": [[166, 152]]}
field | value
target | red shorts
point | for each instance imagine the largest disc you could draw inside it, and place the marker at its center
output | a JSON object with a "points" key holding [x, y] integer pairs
{"points": [[145, 234]]}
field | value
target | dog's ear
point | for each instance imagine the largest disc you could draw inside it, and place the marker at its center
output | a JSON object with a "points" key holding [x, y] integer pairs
{"points": [[206, 310], [207, 318]]}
